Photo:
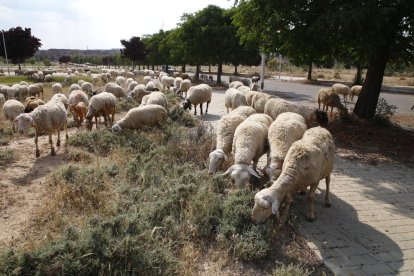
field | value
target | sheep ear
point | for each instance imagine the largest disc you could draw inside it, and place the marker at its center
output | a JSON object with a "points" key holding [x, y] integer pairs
{"points": [[229, 171], [275, 208], [211, 153], [225, 157], [261, 201], [252, 172]]}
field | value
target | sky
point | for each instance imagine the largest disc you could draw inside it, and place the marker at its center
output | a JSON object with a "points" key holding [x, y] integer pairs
{"points": [[94, 24]]}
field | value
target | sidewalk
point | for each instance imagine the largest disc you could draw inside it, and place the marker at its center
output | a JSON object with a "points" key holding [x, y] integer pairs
{"points": [[369, 230]]}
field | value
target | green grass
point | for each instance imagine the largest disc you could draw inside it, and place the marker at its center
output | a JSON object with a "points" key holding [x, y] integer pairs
{"points": [[10, 80]]}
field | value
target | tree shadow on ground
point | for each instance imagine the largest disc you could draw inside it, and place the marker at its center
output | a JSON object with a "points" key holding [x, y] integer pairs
{"points": [[346, 245]]}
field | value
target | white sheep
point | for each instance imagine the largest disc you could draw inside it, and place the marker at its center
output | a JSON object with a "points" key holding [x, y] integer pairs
{"points": [[35, 90], [74, 86], [11, 109], [139, 92], [274, 107], [68, 78], [286, 129], [328, 98], [177, 82], [2, 100], [60, 97], [78, 110], [261, 118], [236, 84], [197, 95], [244, 111], [57, 88], [31, 103], [341, 89], [355, 91], [153, 85], [115, 89], [13, 91], [155, 98], [87, 87], [224, 140], [142, 116], [48, 78], [120, 80], [102, 104], [23, 92], [167, 82], [307, 162], [233, 98], [46, 119], [147, 79], [249, 144], [132, 85], [185, 85], [95, 78], [244, 89], [80, 82]]}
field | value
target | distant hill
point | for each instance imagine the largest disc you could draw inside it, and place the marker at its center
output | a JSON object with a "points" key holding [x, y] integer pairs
{"points": [[55, 54]]}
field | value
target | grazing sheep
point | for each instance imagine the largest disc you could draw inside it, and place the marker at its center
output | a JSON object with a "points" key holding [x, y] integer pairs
{"points": [[167, 82], [102, 104], [139, 92], [249, 144], [35, 90], [185, 85], [57, 88], [307, 162], [286, 129], [142, 116], [153, 85], [261, 118], [242, 80], [80, 82], [120, 80], [87, 87], [185, 76], [23, 91], [233, 98], [255, 79], [155, 98], [245, 111], [341, 89], [60, 97], [95, 79], [244, 89], [115, 89], [147, 79], [177, 82], [31, 103], [68, 78], [328, 98], [46, 119], [11, 109], [74, 86], [2, 100], [13, 91], [355, 91], [198, 94], [77, 96], [132, 85], [79, 112], [236, 84], [275, 106], [48, 78], [224, 140]]}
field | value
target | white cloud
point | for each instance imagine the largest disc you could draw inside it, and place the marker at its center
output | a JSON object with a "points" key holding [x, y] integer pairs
{"points": [[97, 24]]}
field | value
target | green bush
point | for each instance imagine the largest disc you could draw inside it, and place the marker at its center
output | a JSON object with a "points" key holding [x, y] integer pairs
{"points": [[6, 156], [384, 111]]}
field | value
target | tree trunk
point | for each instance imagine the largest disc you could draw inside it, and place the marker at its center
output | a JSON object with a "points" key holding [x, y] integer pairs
{"points": [[358, 75], [209, 68], [235, 69], [139, 67], [219, 72], [310, 71], [183, 68], [20, 68], [368, 99], [197, 74]]}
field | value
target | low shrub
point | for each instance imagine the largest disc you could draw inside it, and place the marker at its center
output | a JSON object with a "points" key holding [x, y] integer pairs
{"points": [[6, 157]]}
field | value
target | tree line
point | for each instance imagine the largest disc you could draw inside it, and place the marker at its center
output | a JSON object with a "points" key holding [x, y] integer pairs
{"points": [[362, 33]]}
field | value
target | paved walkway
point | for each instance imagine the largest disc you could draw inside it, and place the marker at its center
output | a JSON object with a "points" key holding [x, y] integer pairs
{"points": [[369, 230]]}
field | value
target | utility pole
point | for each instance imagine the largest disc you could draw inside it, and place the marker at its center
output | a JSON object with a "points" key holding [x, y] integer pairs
{"points": [[280, 66], [5, 52], [262, 71]]}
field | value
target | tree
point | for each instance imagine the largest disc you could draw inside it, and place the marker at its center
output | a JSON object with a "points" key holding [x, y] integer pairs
{"points": [[64, 59], [374, 31], [20, 44], [134, 49], [47, 62], [107, 60]]}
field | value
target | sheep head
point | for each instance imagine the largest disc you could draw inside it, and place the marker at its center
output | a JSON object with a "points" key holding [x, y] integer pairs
{"points": [[23, 121], [265, 204], [187, 104], [321, 117], [240, 173], [116, 129], [217, 157], [274, 170]]}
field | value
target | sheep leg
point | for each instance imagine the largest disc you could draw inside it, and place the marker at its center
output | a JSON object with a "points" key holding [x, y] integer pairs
{"points": [[331, 110], [37, 146], [51, 145], [195, 110], [58, 141], [327, 200], [96, 121], [207, 107], [255, 161], [285, 213], [201, 108], [311, 207], [319, 104]]}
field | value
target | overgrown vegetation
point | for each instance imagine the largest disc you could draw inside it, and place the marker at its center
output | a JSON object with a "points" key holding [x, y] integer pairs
{"points": [[6, 156], [384, 111], [134, 202]]}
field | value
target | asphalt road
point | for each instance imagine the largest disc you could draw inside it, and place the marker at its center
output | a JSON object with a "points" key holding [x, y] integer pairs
{"points": [[305, 94]]}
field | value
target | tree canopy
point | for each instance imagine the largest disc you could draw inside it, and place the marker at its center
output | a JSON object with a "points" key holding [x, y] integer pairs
{"points": [[134, 49], [367, 31], [20, 44]]}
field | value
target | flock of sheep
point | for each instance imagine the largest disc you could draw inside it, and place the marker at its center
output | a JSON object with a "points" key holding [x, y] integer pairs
{"points": [[256, 124]]}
